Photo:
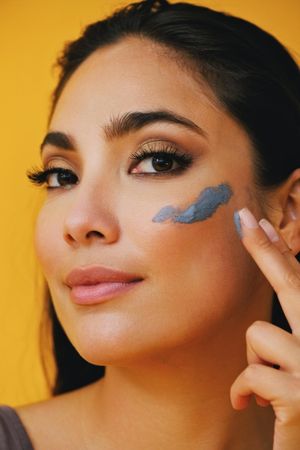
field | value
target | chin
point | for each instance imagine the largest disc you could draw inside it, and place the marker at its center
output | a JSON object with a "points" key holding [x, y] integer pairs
{"points": [[103, 345]]}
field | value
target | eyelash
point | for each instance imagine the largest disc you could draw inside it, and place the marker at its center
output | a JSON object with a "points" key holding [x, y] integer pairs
{"points": [[182, 159], [39, 176]]}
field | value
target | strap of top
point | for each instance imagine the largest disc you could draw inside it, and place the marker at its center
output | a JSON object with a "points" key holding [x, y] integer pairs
{"points": [[13, 435]]}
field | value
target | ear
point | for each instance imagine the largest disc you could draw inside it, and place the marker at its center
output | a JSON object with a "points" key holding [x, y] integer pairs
{"points": [[288, 222]]}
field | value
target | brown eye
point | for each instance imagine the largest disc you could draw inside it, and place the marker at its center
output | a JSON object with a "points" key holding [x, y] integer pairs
{"points": [[162, 162], [53, 178], [60, 177]]}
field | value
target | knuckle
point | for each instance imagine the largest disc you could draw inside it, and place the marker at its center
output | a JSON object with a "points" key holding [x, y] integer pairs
{"points": [[292, 279], [251, 373], [286, 417], [289, 415], [252, 329], [290, 410], [263, 243]]}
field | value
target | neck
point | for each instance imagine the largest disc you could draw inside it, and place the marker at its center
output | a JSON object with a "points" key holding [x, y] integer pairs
{"points": [[181, 400]]}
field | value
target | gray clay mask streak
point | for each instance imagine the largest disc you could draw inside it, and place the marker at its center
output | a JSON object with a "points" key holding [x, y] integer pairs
{"points": [[204, 207]]}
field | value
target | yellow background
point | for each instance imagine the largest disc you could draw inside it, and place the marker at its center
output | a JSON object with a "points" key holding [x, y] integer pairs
{"points": [[32, 33]]}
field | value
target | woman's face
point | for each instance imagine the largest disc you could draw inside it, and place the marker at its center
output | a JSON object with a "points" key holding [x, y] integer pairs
{"points": [[196, 276]]}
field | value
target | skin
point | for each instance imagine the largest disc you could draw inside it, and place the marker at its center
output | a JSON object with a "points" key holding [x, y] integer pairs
{"points": [[174, 345]]}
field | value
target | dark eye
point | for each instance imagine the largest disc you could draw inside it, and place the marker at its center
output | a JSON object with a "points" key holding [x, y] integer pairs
{"points": [[61, 178], [160, 162], [58, 177], [54, 177]]}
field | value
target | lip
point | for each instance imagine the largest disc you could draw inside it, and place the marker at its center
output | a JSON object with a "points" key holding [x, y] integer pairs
{"points": [[95, 284]]}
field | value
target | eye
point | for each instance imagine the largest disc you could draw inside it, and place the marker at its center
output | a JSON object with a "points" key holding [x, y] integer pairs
{"points": [[59, 177], [54, 177], [160, 161]]}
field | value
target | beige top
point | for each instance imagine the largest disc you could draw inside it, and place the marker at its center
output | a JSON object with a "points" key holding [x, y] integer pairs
{"points": [[13, 435]]}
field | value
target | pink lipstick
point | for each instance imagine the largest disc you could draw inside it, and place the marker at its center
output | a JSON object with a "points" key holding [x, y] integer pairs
{"points": [[95, 284]]}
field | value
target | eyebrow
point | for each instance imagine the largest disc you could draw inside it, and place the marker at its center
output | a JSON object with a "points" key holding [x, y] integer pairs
{"points": [[120, 125]]}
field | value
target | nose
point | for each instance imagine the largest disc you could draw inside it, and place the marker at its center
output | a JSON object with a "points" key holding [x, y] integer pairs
{"points": [[89, 218]]}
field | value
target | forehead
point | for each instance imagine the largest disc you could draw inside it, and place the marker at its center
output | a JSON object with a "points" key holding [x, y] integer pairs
{"points": [[134, 77], [134, 74]]}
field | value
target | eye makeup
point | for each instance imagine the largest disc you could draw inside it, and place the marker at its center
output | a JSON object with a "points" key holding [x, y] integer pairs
{"points": [[163, 159], [65, 177], [206, 204]]}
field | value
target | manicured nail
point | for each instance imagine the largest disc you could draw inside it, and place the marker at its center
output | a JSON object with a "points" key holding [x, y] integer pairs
{"points": [[269, 230], [237, 223], [247, 218]]}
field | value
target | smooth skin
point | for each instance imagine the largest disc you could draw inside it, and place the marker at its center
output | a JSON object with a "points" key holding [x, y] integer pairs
{"points": [[267, 344], [174, 344]]}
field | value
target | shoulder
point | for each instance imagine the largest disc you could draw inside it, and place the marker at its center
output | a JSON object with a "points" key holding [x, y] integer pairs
{"points": [[57, 414], [13, 435]]}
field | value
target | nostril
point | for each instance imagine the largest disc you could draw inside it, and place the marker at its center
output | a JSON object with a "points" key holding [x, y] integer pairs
{"points": [[73, 238], [69, 238], [94, 232]]}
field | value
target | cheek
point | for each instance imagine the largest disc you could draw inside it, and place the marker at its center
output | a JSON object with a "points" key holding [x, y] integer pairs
{"points": [[46, 240], [173, 245], [190, 259], [196, 274]]}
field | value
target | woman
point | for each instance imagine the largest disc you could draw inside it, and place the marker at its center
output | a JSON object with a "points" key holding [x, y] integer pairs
{"points": [[172, 215]]}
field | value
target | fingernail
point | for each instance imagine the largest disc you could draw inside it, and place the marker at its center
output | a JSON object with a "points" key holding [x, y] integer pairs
{"points": [[269, 230], [237, 223], [247, 218]]}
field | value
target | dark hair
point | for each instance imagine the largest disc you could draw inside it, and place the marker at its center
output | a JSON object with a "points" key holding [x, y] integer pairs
{"points": [[252, 75]]}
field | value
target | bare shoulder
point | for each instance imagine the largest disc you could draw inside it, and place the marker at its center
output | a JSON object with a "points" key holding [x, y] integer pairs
{"points": [[49, 423]]}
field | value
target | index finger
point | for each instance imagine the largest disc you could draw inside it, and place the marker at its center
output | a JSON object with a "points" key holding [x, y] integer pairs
{"points": [[277, 263]]}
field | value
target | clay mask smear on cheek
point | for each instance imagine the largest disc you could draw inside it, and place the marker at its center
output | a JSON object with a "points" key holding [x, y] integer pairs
{"points": [[201, 209]]}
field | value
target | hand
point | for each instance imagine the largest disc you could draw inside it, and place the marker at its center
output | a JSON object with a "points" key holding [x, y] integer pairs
{"points": [[269, 345]]}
